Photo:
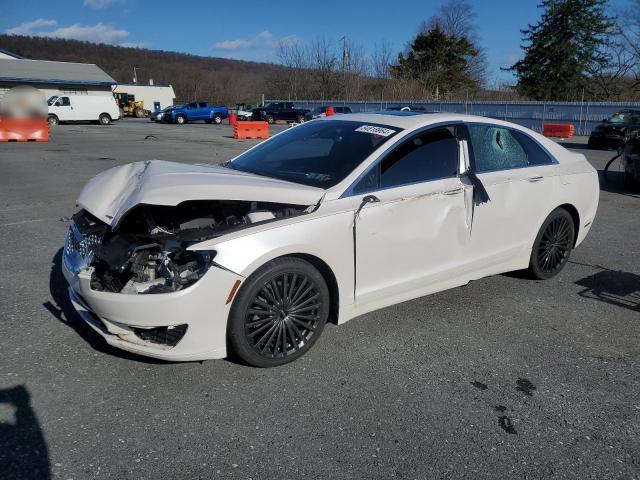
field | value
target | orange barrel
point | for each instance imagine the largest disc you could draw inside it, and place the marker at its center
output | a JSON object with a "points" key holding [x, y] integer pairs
{"points": [[330, 111], [233, 118]]}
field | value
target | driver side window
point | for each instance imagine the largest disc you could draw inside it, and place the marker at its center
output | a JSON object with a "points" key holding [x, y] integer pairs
{"points": [[430, 155]]}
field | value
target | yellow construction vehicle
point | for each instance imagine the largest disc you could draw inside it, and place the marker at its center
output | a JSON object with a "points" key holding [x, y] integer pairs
{"points": [[130, 107]]}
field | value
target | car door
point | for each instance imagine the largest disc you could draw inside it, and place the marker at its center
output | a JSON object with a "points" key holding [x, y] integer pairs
{"points": [[519, 178], [204, 111], [65, 110], [411, 229], [192, 111]]}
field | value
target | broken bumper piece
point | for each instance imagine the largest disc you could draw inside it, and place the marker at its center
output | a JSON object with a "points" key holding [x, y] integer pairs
{"points": [[186, 325]]}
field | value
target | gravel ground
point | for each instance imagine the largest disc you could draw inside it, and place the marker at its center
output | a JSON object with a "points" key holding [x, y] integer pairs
{"points": [[503, 378]]}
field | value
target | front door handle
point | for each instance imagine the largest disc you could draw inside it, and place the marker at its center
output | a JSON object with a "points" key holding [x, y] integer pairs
{"points": [[453, 191], [537, 178]]}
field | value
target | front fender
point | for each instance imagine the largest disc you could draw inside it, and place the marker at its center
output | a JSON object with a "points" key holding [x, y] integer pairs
{"points": [[329, 238]]}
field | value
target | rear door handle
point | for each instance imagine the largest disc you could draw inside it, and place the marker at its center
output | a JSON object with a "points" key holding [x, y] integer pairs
{"points": [[453, 191], [537, 178]]}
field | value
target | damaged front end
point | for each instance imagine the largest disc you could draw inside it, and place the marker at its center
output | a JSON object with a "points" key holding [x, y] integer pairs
{"points": [[147, 252]]}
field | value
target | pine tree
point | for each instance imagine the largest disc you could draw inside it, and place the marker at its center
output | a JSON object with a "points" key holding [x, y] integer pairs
{"points": [[438, 61], [563, 49]]}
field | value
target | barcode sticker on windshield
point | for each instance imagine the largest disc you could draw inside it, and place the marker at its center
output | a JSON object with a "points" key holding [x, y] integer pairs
{"points": [[383, 132]]}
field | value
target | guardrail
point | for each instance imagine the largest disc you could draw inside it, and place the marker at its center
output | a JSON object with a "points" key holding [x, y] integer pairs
{"points": [[583, 115]]}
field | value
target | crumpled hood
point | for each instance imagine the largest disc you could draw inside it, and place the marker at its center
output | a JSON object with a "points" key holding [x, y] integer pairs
{"points": [[110, 194]]}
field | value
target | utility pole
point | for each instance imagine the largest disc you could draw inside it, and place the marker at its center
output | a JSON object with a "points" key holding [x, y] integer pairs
{"points": [[345, 64]]}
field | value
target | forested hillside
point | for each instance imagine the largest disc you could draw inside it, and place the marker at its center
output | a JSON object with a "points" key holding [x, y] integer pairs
{"points": [[192, 77]]}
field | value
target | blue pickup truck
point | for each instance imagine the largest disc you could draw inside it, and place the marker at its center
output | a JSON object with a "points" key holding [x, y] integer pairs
{"points": [[194, 112]]}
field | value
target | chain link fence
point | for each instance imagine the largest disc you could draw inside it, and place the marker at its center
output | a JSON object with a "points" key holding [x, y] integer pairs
{"points": [[583, 115]]}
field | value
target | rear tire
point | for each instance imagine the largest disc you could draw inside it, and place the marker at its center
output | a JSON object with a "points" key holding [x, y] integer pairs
{"points": [[278, 313], [104, 119], [53, 120], [552, 246]]}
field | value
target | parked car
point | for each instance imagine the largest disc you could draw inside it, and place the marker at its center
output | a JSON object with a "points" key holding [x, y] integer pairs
{"points": [[274, 111], [320, 112], [158, 116], [244, 111], [82, 108], [194, 112], [631, 161], [326, 221], [612, 131]]}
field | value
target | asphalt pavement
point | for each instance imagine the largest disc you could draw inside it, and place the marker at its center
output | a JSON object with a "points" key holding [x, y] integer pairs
{"points": [[503, 378]]}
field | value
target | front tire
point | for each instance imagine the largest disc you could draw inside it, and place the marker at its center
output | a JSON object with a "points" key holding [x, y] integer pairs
{"points": [[270, 120], [278, 313], [217, 119], [53, 120], [104, 119], [181, 119], [552, 246]]}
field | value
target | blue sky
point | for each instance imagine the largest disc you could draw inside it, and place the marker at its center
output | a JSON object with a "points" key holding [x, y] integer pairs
{"points": [[252, 30]]}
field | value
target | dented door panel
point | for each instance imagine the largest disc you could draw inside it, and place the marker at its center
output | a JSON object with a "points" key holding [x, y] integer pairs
{"points": [[414, 234]]}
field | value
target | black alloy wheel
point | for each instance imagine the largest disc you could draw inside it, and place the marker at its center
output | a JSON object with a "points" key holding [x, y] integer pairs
{"points": [[279, 313], [553, 245]]}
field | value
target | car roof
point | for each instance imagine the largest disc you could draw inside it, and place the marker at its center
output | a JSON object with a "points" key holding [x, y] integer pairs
{"points": [[412, 120]]}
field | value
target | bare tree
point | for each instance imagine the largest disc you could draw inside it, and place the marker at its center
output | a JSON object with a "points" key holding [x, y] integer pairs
{"points": [[457, 18], [381, 59], [292, 55], [628, 22]]}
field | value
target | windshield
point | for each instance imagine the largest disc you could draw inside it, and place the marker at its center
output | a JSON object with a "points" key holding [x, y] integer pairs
{"points": [[319, 154], [52, 100]]}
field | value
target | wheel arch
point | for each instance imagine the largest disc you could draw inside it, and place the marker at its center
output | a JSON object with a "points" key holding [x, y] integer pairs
{"points": [[575, 216], [329, 277]]}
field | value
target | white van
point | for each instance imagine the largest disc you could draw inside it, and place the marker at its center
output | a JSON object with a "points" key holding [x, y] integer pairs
{"points": [[83, 108]]}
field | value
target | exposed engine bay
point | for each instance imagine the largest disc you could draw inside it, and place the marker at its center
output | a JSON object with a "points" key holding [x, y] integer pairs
{"points": [[147, 252]]}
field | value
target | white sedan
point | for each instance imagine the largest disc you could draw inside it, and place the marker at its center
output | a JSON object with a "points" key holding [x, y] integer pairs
{"points": [[323, 222]]}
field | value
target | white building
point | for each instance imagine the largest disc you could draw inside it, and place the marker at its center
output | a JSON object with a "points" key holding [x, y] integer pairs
{"points": [[155, 97], [53, 78], [59, 78]]}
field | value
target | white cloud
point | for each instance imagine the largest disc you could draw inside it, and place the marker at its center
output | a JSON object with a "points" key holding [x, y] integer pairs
{"points": [[261, 46], [99, 4], [98, 33], [232, 44], [28, 28]]}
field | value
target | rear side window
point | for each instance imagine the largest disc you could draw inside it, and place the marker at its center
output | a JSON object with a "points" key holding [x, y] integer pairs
{"points": [[535, 154], [495, 148]]}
